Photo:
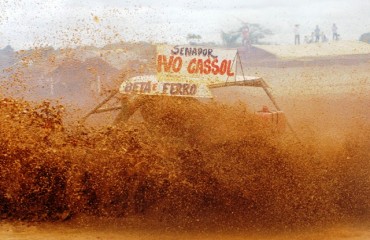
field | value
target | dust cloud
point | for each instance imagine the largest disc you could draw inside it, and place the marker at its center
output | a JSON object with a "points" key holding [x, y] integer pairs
{"points": [[191, 165]]}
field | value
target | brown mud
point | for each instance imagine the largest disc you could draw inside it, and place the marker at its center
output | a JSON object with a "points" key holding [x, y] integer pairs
{"points": [[192, 166]]}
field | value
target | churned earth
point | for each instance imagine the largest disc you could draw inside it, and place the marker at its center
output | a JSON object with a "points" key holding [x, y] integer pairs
{"points": [[196, 170]]}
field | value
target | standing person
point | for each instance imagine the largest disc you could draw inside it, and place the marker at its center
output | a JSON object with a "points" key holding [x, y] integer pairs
{"points": [[317, 33], [245, 34], [306, 39], [323, 37], [312, 39], [334, 29], [297, 37]]}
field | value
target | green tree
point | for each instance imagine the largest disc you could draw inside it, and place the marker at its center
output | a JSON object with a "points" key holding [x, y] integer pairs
{"points": [[365, 37], [257, 32], [230, 38], [192, 37]]}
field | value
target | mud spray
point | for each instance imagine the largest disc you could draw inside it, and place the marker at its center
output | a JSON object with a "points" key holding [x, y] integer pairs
{"points": [[189, 164]]}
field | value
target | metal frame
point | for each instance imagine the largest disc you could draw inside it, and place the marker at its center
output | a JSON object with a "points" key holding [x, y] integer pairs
{"points": [[258, 82]]}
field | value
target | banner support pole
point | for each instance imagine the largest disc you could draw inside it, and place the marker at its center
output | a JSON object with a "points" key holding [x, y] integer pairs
{"points": [[241, 65], [227, 79], [99, 105]]}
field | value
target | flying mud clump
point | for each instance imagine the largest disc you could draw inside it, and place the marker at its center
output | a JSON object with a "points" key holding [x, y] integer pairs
{"points": [[189, 164]]}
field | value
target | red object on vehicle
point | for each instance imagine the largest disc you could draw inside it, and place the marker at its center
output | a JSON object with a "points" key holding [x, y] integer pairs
{"points": [[275, 118]]}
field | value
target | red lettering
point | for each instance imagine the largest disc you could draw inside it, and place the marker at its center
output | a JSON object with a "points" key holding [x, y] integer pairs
{"points": [[177, 64], [195, 66], [215, 67], [162, 61], [159, 63], [191, 68], [223, 67], [199, 68], [229, 73], [207, 66]]}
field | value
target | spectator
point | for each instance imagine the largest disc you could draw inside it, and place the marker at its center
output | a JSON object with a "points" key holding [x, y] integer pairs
{"points": [[317, 33], [323, 37], [306, 39], [312, 40], [245, 35], [297, 37], [334, 29]]}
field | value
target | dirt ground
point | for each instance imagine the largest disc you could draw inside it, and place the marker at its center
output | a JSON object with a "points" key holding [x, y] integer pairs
{"points": [[326, 102], [327, 99], [71, 230]]}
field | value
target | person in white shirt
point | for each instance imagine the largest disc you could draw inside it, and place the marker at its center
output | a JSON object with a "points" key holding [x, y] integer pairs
{"points": [[334, 29], [297, 37], [245, 35], [323, 37], [317, 34]]}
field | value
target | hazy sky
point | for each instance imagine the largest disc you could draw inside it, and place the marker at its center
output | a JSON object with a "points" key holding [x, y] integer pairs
{"points": [[27, 23]]}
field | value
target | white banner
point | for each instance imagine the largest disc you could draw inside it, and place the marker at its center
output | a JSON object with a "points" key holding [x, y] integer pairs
{"points": [[185, 71]]}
